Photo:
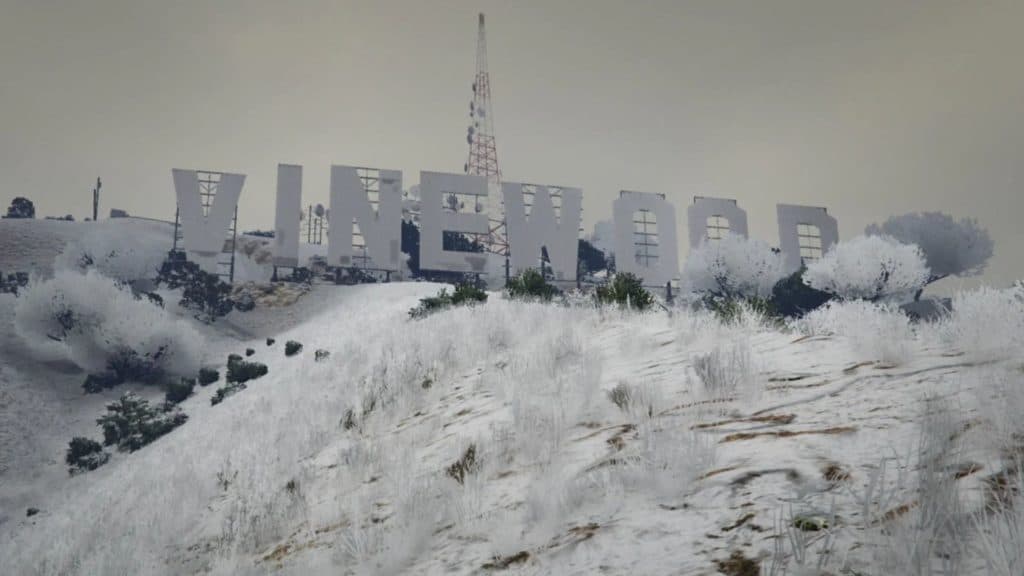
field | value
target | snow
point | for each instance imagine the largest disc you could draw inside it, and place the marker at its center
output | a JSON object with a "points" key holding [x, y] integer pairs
{"points": [[272, 480]]}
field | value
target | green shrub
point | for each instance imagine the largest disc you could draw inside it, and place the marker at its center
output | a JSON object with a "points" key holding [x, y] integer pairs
{"points": [[625, 289], [240, 371], [291, 348], [730, 310], [225, 391], [180, 390], [99, 382], [530, 284], [792, 298], [208, 376], [249, 352], [131, 423], [465, 294], [84, 454]]}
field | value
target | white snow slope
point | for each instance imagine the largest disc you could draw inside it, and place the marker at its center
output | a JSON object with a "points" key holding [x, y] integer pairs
{"points": [[720, 438]]}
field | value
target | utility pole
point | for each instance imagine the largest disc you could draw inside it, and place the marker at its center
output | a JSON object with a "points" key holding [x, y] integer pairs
{"points": [[96, 199]]}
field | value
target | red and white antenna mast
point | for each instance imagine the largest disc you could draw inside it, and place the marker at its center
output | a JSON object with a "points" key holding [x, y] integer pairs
{"points": [[483, 149], [483, 152]]}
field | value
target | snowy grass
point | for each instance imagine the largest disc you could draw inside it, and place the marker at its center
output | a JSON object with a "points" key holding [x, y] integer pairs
{"points": [[877, 332]]}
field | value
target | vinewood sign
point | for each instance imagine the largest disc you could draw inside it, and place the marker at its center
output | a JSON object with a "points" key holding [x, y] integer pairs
{"points": [[801, 228]]}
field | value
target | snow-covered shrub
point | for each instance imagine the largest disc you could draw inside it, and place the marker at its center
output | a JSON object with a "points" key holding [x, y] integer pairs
{"points": [[869, 268], [985, 321], [726, 369], [881, 332], [241, 371], [106, 250], [291, 348], [201, 291], [950, 248], [97, 324], [208, 376], [180, 390], [84, 454], [733, 267], [131, 423]]}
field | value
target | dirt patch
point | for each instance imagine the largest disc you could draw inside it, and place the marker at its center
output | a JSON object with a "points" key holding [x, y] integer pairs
{"points": [[791, 474], [743, 520], [618, 440], [896, 512], [465, 465], [716, 472], [852, 369], [779, 419], [834, 473], [739, 565], [966, 469], [503, 563], [788, 433]]}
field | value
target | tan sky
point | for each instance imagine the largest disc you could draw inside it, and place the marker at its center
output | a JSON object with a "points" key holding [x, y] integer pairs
{"points": [[869, 108]]}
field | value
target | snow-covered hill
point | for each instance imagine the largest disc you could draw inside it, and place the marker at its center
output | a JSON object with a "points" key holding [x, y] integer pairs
{"points": [[528, 438]]}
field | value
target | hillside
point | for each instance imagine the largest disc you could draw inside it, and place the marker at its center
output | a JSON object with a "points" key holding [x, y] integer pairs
{"points": [[526, 438]]}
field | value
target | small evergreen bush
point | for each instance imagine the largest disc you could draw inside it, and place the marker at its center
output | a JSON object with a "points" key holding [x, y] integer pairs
{"points": [[731, 310], [208, 376], [84, 454], [202, 292], [240, 371], [530, 284], [792, 298], [249, 352], [625, 289], [95, 383], [225, 391], [465, 294], [130, 422], [180, 390], [291, 348]]}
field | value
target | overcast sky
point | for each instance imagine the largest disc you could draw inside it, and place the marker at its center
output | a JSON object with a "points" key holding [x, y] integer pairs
{"points": [[867, 107]]}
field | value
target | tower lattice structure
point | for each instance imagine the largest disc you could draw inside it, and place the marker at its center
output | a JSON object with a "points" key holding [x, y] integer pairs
{"points": [[483, 150]]}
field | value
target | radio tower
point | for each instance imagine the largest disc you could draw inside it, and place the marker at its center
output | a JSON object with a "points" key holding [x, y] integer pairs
{"points": [[483, 153], [483, 150]]}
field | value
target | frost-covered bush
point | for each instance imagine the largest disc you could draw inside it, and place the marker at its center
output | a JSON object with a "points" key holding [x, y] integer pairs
{"points": [[107, 251], [97, 324], [130, 422], [84, 454], [950, 248], [869, 268], [178, 391], [734, 267], [241, 371], [208, 376], [726, 369], [985, 321], [881, 332], [201, 291]]}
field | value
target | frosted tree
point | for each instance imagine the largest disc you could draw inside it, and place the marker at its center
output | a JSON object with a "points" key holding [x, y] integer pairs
{"points": [[950, 248], [869, 268], [734, 267]]}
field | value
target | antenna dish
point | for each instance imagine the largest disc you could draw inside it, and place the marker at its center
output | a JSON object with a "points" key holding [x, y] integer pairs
{"points": [[319, 211]]}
